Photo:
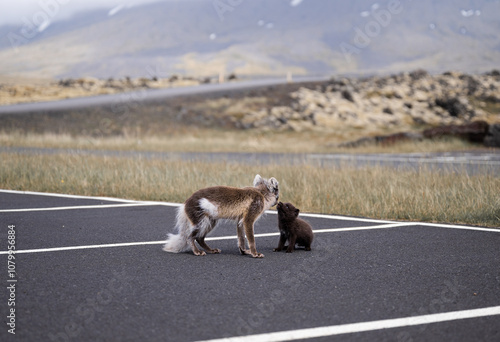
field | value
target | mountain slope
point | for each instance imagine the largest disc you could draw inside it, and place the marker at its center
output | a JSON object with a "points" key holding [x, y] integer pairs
{"points": [[201, 37]]}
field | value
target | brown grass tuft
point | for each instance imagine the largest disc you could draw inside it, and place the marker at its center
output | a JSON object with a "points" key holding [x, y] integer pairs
{"points": [[375, 192]]}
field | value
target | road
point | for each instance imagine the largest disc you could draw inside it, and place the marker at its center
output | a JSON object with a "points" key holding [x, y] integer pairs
{"points": [[92, 269], [146, 95]]}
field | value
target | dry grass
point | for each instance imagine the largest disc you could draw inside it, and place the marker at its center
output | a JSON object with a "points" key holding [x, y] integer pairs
{"points": [[23, 91], [374, 192], [209, 140]]}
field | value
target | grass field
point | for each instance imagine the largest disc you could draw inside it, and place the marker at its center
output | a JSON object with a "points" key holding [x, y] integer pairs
{"points": [[212, 140], [374, 192]]}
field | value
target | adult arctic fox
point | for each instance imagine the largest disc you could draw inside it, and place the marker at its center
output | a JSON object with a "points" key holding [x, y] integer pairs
{"points": [[200, 213]]}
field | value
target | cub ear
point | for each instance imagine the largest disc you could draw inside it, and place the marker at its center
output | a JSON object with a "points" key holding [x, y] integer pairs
{"points": [[257, 180], [297, 212]]}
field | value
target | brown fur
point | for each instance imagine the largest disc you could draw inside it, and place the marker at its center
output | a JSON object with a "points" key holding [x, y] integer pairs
{"points": [[292, 229], [200, 213]]}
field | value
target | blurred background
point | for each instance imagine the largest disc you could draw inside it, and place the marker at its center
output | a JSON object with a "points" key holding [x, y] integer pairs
{"points": [[251, 38]]}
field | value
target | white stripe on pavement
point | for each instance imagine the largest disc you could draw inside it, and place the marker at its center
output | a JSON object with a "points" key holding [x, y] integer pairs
{"points": [[333, 330]]}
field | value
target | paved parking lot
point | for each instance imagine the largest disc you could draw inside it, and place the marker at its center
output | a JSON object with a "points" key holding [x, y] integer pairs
{"points": [[92, 269]]}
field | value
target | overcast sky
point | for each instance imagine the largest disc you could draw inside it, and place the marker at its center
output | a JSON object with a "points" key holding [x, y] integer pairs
{"points": [[13, 11]]}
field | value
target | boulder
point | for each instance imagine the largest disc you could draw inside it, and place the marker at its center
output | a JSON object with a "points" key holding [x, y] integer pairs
{"points": [[474, 132], [384, 140], [346, 94], [492, 138], [457, 107]]}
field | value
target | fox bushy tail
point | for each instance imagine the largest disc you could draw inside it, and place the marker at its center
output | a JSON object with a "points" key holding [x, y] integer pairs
{"points": [[177, 243]]}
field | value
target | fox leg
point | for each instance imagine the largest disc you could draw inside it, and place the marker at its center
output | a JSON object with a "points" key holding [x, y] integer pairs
{"points": [[248, 224], [203, 244], [195, 249], [281, 244], [291, 244], [241, 238], [255, 210], [191, 240]]}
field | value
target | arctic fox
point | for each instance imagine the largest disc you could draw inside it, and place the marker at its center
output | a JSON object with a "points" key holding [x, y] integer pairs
{"points": [[200, 213]]}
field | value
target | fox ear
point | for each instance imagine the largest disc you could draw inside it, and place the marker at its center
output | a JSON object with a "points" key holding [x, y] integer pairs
{"points": [[257, 180], [273, 183]]}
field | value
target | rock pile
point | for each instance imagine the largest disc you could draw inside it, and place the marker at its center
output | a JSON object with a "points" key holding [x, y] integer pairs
{"points": [[400, 102], [479, 132]]}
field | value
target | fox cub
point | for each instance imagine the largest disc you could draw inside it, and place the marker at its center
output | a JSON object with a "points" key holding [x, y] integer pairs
{"points": [[293, 229]]}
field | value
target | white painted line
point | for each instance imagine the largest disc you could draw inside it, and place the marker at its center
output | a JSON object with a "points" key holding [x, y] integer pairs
{"points": [[110, 199], [450, 226], [66, 196], [350, 229], [334, 330], [406, 223], [215, 238], [330, 217], [102, 206], [72, 248], [340, 218]]}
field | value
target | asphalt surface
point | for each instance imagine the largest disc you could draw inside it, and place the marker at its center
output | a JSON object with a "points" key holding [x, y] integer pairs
{"points": [[473, 162], [92, 269], [143, 95]]}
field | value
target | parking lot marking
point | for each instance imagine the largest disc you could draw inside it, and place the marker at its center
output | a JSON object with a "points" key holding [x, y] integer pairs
{"points": [[49, 194], [272, 212], [109, 199], [215, 238], [72, 248], [333, 330], [101, 206], [291, 335], [379, 226]]}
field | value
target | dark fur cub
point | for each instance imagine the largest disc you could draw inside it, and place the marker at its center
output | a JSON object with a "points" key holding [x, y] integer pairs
{"points": [[293, 229]]}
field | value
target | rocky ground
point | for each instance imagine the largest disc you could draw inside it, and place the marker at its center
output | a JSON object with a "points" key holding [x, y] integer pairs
{"points": [[386, 109], [353, 111], [22, 92], [401, 101]]}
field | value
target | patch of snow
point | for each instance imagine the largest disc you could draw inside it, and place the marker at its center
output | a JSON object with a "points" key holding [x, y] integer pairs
{"points": [[294, 3], [115, 10]]}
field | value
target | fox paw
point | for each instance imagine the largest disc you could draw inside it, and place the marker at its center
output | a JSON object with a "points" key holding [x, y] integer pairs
{"points": [[245, 251]]}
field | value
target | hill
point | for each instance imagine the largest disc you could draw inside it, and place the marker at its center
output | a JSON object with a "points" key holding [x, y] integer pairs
{"points": [[256, 38]]}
